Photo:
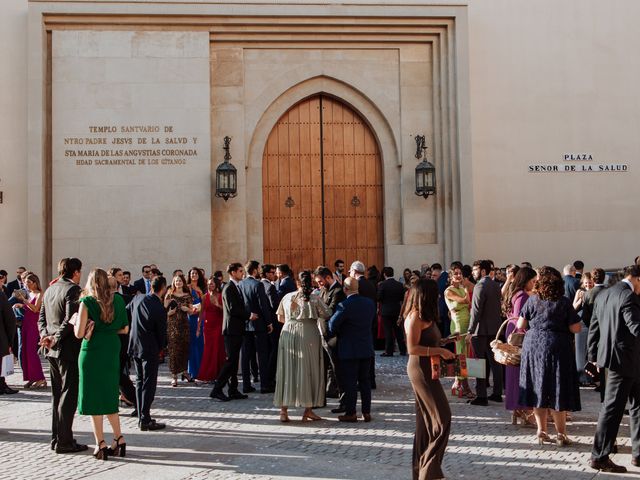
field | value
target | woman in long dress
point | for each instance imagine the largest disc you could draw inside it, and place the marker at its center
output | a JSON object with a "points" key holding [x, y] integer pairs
{"points": [[300, 380], [458, 302], [102, 317], [32, 371], [211, 315], [515, 297], [548, 377], [197, 286], [178, 328], [433, 415]]}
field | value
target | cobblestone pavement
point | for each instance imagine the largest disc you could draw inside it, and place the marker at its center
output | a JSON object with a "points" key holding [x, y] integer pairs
{"points": [[244, 440]]}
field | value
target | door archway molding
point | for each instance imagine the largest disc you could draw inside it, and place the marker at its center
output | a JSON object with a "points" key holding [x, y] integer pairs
{"points": [[380, 127]]}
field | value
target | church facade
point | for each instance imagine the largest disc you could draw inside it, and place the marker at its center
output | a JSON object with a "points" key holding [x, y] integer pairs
{"points": [[124, 111]]}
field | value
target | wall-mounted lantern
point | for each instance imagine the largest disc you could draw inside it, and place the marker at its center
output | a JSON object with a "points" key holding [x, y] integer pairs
{"points": [[226, 175], [425, 170]]}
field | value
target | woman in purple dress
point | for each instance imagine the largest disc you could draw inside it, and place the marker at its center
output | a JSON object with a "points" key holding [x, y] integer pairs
{"points": [[31, 366], [515, 297]]}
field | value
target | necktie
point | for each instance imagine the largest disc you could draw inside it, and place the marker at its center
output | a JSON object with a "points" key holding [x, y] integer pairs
{"points": [[147, 285]]}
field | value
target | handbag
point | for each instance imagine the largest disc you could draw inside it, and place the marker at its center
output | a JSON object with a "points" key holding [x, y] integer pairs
{"points": [[441, 368], [7, 366], [476, 367], [516, 337]]}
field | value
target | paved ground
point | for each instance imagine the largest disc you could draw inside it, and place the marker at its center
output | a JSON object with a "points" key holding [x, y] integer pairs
{"points": [[244, 440]]}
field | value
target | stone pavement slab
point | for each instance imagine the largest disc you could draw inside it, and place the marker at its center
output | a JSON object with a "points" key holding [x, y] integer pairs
{"points": [[244, 440]]}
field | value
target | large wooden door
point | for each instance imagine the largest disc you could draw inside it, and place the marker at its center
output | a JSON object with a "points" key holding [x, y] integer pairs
{"points": [[322, 188]]}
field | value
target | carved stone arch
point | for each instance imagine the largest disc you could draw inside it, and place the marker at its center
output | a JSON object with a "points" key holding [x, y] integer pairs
{"points": [[376, 120]]}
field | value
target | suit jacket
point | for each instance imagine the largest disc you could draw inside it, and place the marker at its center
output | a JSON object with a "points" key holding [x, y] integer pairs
{"points": [[148, 333], [390, 296], [614, 333], [59, 303], [256, 301], [139, 286], [7, 325], [367, 289], [571, 286], [11, 286], [588, 302], [284, 286], [234, 312], [331, 296], [485, 308], [352, 323]]}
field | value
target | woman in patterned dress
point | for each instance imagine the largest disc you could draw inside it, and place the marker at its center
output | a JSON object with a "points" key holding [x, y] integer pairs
{"points": [[178, 327]]}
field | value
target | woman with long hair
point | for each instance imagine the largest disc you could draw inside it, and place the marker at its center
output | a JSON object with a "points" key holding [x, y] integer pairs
{"points": [[101, 318], [586, 284], [458, 304], [548, 377], [300, 380], [433, 415], [178, 296], [198, 287], [211, 316], [32, 371], [514, 299]]}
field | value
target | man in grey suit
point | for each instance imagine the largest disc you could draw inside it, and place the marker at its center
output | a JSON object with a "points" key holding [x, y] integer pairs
{"points": [[484, 324], [614, 343]]}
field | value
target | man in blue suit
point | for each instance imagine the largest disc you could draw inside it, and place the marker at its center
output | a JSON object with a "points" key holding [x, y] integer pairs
{"points": [[352, 324]]}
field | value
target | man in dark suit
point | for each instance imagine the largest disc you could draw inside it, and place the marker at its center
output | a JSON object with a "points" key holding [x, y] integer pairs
{"points": [[332, 294], [483, 326], [285, 283], [59, 303], [16, 284], [235, 317], [7, 332], [339, 273], [368, 290], [148, 335], [614, 343], [571, 283], [598, 275], [390, 297], [257, 329], [268, 280], [143, 285], [352, 324]]}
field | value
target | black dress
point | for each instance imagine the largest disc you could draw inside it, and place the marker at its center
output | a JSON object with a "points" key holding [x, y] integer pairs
{"points": [[548, 376], [433, 415]]}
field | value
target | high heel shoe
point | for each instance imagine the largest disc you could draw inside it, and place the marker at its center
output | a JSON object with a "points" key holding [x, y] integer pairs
{"points": [[28, 384], [284, 418], [543, 438], [187, 377], [310, 416], [124, 400], [102, 453], [40, 384], [562, 440], [174, 382], [120, 450]]}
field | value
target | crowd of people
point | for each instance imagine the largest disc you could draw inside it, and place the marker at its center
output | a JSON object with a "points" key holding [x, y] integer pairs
{"points": [[312, 336]]}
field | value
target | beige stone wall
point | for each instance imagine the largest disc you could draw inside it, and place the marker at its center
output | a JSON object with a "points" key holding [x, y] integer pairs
{"points": [[13, 135], [132, 199]]}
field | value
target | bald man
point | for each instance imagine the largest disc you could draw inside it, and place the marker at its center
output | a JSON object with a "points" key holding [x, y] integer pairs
{"points": [[351, 323]]}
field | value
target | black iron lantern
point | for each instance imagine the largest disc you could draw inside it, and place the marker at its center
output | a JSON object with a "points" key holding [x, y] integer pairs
{"points": [[226, 175], [425, 170]]}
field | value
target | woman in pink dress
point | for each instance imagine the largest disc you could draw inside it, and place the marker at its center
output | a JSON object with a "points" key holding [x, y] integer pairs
{"points": [[31, 366], [211, 315]]}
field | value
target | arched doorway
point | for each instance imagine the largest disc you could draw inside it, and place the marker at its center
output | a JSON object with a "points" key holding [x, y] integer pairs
{"points": [[322, 187]]}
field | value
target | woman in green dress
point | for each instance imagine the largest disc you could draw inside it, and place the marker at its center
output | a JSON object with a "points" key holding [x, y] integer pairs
{"points": [[300, 372], [101, 318], [457, 299]]}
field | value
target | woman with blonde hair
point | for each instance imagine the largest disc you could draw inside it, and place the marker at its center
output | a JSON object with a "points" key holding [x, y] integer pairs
{"points": [[101, 318]]}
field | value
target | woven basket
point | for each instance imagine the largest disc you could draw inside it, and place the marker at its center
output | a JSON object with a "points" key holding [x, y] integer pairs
{"points": [[504, 353]]}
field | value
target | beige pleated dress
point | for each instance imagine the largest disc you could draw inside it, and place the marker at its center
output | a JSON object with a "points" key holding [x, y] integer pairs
{"points": [[300, 374]]}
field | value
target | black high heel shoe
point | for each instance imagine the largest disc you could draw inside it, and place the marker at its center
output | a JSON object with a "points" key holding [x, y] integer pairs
{"points": [[187, 377], [120, 449], [102, 453]]}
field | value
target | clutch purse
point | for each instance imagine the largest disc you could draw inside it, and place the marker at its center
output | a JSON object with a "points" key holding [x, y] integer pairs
{"points": [[441, 368], [591, 369]]}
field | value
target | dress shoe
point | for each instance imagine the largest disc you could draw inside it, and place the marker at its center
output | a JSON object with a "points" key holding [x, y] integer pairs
{"points": [[366, 417], [7, 390], [219, 395], [495, 398], [635, 461], [237, 396], [152, 426], [73, 448], [607, 465], [385, 354], [481, 401], [267, 390], [248, 389], [348, 418], [339, 409]]}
